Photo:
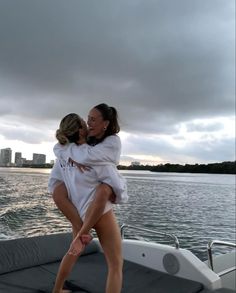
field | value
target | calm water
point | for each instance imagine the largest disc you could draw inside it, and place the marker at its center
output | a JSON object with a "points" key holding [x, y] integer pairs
{"points": [[195, 207]]}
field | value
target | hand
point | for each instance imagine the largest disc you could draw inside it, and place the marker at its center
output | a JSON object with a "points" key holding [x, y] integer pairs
{"points": [[82, 168], [76, 247], [79, 243]]}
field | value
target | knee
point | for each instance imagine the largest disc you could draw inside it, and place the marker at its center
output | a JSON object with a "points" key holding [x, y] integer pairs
{"points": [[104, 191]]}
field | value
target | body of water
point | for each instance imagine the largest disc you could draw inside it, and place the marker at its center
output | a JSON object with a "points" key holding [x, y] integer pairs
{"points": [[194, 207]]}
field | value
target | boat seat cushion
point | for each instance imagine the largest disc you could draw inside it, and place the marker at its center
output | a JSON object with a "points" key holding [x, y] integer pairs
{"points": [[221, 290], [30, 265], [31, 280], [33, 251], [89, 274]]}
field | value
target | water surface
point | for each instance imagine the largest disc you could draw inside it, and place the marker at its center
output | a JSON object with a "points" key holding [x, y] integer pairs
{"points": [[195, 207]]}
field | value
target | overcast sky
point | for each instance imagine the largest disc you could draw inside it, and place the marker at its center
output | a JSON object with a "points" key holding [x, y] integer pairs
{"points": [[168, 66]]}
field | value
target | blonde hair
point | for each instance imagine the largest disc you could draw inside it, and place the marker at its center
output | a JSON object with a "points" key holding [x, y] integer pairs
{"points": [[69, 129]]}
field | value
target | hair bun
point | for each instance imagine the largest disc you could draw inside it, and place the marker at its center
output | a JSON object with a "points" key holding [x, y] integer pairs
{"points": [[62, 139]]}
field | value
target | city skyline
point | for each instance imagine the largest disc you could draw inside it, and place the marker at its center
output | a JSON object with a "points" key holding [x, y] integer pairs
{"points": [[9, 158]]}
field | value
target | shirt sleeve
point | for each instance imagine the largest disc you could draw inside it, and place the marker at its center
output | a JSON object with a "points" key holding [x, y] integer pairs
{"points": [[110, 175], [55, 177], [105, 153], [61, 151]]}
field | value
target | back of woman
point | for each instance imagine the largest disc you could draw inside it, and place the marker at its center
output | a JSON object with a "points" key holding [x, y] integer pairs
{"points": [[81, 186]]}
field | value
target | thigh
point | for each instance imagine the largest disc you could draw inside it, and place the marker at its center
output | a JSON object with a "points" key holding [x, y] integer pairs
{"points": [[60, 191], [108, 232]]}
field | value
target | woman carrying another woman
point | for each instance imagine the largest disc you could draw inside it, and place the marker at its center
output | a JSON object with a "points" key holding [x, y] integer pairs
{"points": [[85, 189]]}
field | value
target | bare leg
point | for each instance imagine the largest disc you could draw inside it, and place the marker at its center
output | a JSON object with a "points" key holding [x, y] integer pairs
{"points": [[60, 197], [94, 212], [65, 268], [109, 236]]}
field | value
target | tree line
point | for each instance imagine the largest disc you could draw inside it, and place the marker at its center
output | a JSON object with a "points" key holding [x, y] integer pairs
{"points": [[215, 168]]}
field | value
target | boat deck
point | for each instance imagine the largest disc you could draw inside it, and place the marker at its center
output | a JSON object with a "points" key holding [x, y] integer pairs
{"points": [[89, 275], [25, 267]]}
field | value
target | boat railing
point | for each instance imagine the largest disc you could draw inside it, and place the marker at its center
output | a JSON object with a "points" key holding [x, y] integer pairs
{"points": [[167, 235], [210, 257]]}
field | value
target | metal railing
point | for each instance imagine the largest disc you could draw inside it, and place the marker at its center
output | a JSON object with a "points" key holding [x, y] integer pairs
{"points": [[168, 235], [210, 258]]}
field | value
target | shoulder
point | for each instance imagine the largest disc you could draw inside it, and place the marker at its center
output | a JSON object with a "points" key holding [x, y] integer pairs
{"points": [[59, 149], [112, 139]]}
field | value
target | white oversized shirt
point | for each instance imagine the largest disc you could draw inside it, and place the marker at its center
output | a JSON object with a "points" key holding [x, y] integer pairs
{"points": [[102, 158]]}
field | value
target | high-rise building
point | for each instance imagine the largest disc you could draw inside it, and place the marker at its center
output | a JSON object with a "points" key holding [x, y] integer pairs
{"points": [[18, 159], [39, 159], [135, 163], [5, 157]]}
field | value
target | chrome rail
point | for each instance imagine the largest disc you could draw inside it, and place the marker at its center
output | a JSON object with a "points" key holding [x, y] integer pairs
{"points": [[173, 237], [210, 258]]}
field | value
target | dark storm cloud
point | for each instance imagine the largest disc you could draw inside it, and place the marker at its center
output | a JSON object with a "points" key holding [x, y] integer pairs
{"points": [[159, 62]]}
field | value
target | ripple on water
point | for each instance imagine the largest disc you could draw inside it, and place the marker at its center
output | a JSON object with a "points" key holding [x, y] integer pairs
{"points": [[194, 208]]}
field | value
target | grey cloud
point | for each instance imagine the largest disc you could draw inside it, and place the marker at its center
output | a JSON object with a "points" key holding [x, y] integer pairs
{"points": [[161, 63], [204, 127], [210, 149], [26, 134], [156, 146], [175, 57]]}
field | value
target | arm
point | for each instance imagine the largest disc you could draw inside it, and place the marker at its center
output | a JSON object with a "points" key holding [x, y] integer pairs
{"points": [[55, 177], [106, 152]]}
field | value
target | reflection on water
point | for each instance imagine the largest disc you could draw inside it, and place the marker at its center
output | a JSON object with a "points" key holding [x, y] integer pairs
{"points": [[195, 207]]}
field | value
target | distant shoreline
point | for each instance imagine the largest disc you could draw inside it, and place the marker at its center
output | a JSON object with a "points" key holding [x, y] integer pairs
{"points": [[212, 168]]}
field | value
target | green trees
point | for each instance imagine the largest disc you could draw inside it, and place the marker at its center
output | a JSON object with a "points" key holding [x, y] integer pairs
{"points": [[215, 168]]}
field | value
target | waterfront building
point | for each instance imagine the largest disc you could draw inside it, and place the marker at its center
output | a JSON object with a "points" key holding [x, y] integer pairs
{"points": [[18, 159], [24, 161], [39, 159], [5, 157], [27, 162], [135, 163]]}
